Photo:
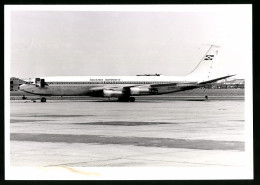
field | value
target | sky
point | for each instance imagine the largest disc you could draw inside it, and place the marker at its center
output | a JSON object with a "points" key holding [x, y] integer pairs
{"points": [[125, 42]]}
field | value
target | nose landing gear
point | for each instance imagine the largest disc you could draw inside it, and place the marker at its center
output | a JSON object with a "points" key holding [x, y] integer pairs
{"points": [[132, 99], [43, 99], [126, 99]]}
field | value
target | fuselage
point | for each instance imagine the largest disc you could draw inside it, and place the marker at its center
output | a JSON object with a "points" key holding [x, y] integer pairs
{"points": [[85, 85]]}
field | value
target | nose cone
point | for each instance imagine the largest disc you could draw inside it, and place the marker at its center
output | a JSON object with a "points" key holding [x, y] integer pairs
{"points": [[24, 87]]}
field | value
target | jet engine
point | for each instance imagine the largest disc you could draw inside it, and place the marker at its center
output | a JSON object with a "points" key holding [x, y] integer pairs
{"points": [[112, 93], [134, 91]]}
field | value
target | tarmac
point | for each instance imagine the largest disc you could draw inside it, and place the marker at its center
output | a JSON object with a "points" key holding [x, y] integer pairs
{"points": [[184, 132]]}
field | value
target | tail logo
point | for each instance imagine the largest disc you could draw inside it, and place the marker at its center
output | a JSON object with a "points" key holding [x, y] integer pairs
{"points": [[209, 57]]}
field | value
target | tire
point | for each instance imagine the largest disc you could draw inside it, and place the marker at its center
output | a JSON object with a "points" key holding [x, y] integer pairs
{"points": [[43, 99], [123, 99], [132, 99]]}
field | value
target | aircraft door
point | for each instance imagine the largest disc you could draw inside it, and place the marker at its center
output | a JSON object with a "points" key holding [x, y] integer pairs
{"points": [[42, 83]]}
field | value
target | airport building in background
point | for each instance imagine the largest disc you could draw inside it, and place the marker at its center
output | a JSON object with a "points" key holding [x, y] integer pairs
{"points": [[15, 83], [228, 84]]}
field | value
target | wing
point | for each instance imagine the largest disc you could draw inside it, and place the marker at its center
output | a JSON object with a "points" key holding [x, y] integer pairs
{"points": [[110, 91], [138, 90], [183, 86], [173, 87], [148, 89]]}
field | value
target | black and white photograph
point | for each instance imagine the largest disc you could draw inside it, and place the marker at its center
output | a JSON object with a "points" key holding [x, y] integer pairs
{"points": [[128, 92]]}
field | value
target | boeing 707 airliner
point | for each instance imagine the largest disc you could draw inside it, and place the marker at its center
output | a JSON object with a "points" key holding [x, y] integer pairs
{"points": [[125, 88]]}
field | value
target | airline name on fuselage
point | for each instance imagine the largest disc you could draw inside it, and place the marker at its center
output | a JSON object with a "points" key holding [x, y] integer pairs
{"points": [[99, 80]]}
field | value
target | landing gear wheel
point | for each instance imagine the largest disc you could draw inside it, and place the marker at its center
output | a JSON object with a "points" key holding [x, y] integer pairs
{"points": [[43, 99], [132, 99], [123, 99]]}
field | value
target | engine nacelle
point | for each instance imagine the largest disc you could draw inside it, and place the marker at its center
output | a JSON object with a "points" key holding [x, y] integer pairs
{"points": [[111, 93], [134, 91]]}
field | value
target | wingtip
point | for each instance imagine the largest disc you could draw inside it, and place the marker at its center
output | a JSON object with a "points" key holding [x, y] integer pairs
{"points": [[232, 75]]}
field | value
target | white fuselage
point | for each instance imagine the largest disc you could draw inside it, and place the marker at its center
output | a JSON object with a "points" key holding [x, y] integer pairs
{"points": [[115, 79], [81, 85]]}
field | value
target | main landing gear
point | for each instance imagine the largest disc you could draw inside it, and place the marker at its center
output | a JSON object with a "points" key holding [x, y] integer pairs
{"points": [[132, 99], [43, 99], [126, 99]]}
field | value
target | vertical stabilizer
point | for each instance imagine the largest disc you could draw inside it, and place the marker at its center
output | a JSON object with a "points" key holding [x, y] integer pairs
{"points": [[204, 70]]}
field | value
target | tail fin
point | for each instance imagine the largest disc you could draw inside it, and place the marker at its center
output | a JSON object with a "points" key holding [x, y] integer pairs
{"points": [[204, 70]]}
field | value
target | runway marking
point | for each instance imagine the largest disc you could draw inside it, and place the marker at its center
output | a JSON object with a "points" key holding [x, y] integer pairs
{"points": [[88, 173], [20, 120], [131, 161], [125, 123], [54, 115], [136, 141]]}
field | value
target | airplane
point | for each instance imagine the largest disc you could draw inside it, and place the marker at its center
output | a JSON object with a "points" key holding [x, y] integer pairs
{"points": [[125, 88]]}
